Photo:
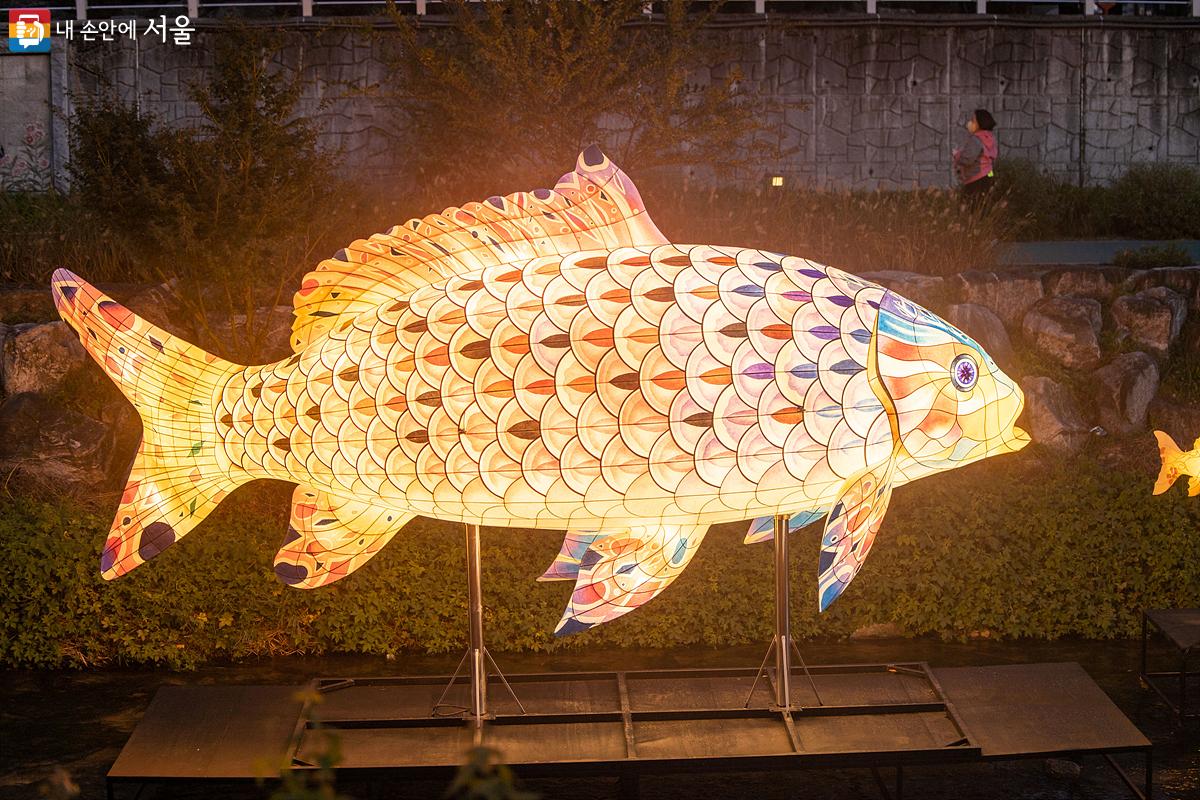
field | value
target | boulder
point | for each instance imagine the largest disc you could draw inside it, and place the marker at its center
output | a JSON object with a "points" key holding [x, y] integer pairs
{"points": [[1124, 389], [1096, 282], [42, 439], [1066, 329], [983, 326], [1184, 280], [1181, 422], [27, 305], [927, 290], [1009, 294], [38, 357], [1054, 418], [1152, 318]]}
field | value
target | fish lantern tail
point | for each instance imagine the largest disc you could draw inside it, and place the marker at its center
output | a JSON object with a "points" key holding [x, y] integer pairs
{"points": [[1169, 452], [180, 473]]}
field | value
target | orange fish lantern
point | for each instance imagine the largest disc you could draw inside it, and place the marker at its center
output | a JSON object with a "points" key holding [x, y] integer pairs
{"points": [[550, 360]]}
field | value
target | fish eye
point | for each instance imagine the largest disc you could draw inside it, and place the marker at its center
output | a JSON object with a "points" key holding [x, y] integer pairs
{"points": [[964, 372]]}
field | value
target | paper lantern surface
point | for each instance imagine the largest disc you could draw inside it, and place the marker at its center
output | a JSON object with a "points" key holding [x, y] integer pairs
{"points": [[1176, 463], [549, 360]]}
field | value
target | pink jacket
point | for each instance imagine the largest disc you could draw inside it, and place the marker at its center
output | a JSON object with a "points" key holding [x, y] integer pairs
{"points": [[976, 158]]}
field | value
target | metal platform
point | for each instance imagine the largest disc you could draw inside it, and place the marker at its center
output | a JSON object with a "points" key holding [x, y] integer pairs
{"points": [[1180, 627], [630, 723]]}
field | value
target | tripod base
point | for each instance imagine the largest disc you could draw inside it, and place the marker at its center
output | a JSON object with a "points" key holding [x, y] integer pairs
{"points": [[782, 693]]}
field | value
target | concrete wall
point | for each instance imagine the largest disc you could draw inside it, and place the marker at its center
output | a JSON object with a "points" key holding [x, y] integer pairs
{"points": [[25, 120], [862, 103]]}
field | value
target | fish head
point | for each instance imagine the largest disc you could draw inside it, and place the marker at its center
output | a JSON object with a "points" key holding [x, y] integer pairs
{"points": [[952, 405]]}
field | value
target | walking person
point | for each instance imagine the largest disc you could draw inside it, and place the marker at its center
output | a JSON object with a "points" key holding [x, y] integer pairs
{"points": [[974, 162]]}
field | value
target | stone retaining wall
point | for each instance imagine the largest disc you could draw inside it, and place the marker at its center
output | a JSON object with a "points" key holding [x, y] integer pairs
{"points": [[863, 102]]}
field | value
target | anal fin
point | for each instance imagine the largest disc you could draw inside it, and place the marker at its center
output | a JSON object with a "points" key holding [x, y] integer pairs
{"points": [[623, 570], [566, 564], [328, 537]]}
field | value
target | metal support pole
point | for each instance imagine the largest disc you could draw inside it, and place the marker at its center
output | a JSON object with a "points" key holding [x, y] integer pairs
{"points": [[475, 654], [193, 9], [81, 9], [306, 8], [783, 617]]}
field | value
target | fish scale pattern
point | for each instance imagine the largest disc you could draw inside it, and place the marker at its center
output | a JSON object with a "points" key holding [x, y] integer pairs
{"points": [[604, 387]]}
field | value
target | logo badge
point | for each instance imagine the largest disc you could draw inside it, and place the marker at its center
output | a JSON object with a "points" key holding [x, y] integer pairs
{"points": [[29, 30]]}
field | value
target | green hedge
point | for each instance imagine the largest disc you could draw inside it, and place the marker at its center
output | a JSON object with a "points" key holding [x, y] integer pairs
{"points": [[1018, 547]]}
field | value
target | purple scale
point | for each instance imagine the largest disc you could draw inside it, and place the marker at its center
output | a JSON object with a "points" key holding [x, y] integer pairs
{"points": [[749, 290], [799, 295], [840, 300], [811, 273], [804, 371], [827, 332], [760, 371], [770, 266]]}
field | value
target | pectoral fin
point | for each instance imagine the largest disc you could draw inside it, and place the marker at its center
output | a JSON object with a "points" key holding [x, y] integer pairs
{"points": [[328, 538], [566, 564], [763, 528], [624, 569], [850, 530]]}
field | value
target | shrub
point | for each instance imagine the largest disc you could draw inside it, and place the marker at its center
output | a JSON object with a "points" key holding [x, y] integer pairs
{"points": [[1017, 547], [1166, 255], [1046, 207], [1157, 201]]}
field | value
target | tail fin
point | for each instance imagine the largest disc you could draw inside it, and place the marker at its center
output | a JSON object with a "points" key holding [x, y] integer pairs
{"points": [[176, 478], [1170, 472]]}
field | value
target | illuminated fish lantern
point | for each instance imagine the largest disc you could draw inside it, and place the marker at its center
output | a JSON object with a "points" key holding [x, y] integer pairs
{"points": [[550, 360], [1176, 463]]}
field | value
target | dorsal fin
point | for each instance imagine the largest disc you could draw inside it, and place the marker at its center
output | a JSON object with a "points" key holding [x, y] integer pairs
{"points": [[595, 207]]}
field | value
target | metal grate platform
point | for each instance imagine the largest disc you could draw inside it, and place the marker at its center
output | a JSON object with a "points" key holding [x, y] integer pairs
{"points": [[628, 723]]}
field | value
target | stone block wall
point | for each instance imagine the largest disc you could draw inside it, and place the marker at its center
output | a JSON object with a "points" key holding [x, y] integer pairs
{"points": [[858, 102]]}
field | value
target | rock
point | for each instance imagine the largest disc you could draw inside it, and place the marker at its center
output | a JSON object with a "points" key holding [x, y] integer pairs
{"points": [[879, 630], [1054, 418], [27, 305], [1180, 422], [1124, 389], [38, 357], [1098, 282], [1152, 318], [1063, 769], [1067, 329], [43, 439], [927, 290], [983, 326], [1184, 280], [1009, 294]]}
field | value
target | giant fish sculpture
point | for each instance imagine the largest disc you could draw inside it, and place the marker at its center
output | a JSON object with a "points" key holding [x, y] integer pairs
{"points": [[550, 360]]}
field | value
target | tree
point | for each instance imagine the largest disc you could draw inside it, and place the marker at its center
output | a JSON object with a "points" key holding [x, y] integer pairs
{"points": [[511, 86]]}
